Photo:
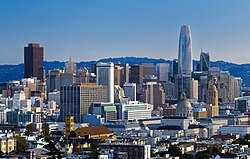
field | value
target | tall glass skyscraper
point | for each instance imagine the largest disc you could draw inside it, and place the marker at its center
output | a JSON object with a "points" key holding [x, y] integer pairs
{"points": [[183, 81], [185, 51]]}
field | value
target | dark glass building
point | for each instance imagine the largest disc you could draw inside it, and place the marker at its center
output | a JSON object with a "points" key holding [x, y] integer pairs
{"points": [[33, 61]]}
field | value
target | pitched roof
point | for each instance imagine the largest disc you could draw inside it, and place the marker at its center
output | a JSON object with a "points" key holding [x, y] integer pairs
{"points": [[95, 130]]}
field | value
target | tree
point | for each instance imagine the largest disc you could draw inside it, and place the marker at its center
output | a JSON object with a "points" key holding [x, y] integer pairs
{"points": [[247, 137], [21, 144], [72, 134], [203, 155], [188, 156], [174, 150], [240, 141], [30, 129]]}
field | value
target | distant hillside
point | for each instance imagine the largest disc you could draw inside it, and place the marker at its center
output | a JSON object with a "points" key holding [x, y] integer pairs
{"points": [[15, 72]]}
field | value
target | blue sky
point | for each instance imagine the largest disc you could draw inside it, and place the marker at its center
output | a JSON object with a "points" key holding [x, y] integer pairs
{"points": [[94, 29]]}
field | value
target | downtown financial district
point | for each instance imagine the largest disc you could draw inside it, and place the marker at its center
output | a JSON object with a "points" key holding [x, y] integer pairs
{"points": [[124, 111]]}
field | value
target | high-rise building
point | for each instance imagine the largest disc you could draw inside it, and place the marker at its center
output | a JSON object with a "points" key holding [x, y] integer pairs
{"points": [[136, 74], [194, 89], [212, 98], [130, 91], [119, 75], [82, 75], [57, 78], [174, 68], [153, 93], [148, 69], [33, 61], [75, 100], [185, 51], [204, 62], [70, 67], [163, 71], [126, 73], [184, 62], [105, 77]]}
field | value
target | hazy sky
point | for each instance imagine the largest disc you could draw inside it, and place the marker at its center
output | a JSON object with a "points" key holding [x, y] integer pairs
{"points": [[94, 29]]}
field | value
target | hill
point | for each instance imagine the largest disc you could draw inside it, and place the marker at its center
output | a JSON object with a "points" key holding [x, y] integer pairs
{"points": [[15, 72]]}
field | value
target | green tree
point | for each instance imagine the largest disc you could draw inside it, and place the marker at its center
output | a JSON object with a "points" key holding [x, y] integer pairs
{"points": [[30, 129], [174, 150], [72, 134], [247, 137], [203, 155], [240, 141], [21, 144], [188, 156]]}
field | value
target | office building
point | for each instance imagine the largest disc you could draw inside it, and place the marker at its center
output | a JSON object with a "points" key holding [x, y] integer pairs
{"points": [[194, 89], [76, 100], [130, 91], [163, 72], [106, 110], [33, 61], [82, 75], [204, 62], [212, 98], [105, 77], [148, 69], [70, 67], [242, 104], [174, 68], [184, 62], [153, 93], [57, 78], [169, 90], [133, 110], [136, 74]]}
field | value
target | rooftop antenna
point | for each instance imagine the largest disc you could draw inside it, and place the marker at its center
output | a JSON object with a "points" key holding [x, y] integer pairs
{"points": [[70, 57]]}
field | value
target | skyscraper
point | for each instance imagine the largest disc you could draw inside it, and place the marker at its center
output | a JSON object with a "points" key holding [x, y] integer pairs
{"points": [[130, 91], [185, 51], [136, 74], [184, 62], [70, 67], [105, 77], [75, 100], [33, 61], [163, 71], [204, 61]]}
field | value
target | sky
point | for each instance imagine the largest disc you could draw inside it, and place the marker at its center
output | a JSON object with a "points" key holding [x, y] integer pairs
{"points": [[95, 29]]}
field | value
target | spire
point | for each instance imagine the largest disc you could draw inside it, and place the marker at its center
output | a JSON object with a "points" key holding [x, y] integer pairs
{"points": [[70, 57]]}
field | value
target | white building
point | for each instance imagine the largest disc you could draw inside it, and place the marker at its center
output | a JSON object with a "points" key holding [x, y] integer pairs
{"points": [[133, 110], [105, 77], [234, 130], [130, 91], [70, 67], [163, 71]]}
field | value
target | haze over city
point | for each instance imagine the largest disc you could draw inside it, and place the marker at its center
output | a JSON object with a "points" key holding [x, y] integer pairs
{"points": [[90, 30]]}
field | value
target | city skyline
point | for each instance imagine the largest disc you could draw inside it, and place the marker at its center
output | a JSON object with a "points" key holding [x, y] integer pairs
{"points": [[95, 30]]}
